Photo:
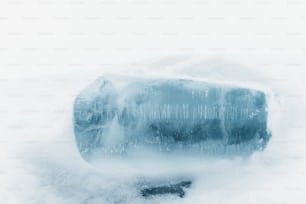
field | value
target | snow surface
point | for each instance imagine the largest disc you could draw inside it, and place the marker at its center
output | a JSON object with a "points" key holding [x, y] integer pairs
{"points": [[42, 165]]}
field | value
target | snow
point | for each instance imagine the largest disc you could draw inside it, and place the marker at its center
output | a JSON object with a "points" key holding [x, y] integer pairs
{"points": [[42, 163]]}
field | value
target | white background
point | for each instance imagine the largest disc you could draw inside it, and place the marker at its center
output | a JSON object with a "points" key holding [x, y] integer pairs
{"points": [[50, 49]]}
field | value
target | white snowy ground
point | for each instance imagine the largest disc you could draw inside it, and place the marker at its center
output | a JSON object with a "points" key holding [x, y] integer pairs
{"points": [[50, 50]]}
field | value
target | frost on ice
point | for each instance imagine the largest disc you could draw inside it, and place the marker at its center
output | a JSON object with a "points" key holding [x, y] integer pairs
{"points": [[169, 116]]}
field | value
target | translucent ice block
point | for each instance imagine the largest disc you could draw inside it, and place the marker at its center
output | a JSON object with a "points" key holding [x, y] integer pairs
{"points": [[169, 116]]}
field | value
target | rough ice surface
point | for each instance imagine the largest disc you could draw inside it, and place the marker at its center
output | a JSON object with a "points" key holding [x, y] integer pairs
{"points": [[169, 116]]}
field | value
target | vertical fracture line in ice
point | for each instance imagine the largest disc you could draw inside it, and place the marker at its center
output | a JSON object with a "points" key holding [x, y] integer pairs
{"points": [[223, 115]]}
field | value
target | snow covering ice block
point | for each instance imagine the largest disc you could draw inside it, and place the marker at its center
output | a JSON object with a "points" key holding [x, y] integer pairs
{"points": [[169, 116]]}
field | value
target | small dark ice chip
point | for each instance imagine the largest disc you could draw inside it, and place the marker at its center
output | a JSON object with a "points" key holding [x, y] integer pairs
{"points": [[177, 189]]}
